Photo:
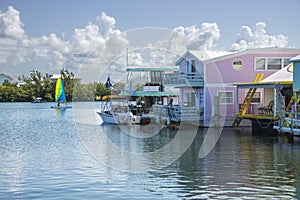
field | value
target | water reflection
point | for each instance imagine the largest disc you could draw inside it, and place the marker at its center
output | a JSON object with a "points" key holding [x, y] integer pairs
{"points": [[60, 113], [241, 165], [42, 156]]}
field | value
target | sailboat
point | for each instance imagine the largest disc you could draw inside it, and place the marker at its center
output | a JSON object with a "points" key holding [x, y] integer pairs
{"points": [[115, 108], [60, 97]]}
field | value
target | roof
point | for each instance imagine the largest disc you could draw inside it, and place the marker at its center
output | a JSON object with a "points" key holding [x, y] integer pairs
{"points": [[203, 55], [6, 76], [297, 58], [283, 75], [213, 56], [151, 69], [120, 97], [55, 76], [154, 94]]}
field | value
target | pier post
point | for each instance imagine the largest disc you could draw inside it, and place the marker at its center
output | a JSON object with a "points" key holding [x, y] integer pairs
{"points": [[217, 111], [296, 105]]}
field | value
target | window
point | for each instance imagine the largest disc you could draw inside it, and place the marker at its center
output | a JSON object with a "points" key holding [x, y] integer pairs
{"points": [[255, 98], [193, 70], [226, 97], [191, 66], [260, 63], [191, 98], [274, 64], [286, 61], [188, 66], [237, 64], [270, 63]]}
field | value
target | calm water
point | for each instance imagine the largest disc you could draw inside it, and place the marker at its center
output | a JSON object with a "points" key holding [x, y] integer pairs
{"points": [[46, 154]]}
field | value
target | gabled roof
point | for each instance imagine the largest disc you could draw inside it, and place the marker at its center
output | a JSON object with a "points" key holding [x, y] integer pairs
{"points": [[6, 76], [55, 76], [203, 55], [151, 69], [297, 58], [213, 56]]}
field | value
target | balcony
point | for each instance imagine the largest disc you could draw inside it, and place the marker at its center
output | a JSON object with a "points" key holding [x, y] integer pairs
{"points": [[183, 80]]}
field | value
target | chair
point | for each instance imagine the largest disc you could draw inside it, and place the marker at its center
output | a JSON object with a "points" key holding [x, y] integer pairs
{"points": [[267, 110]]}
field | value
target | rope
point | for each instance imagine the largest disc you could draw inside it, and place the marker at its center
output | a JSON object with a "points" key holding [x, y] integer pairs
{"points": [[264, 127]]}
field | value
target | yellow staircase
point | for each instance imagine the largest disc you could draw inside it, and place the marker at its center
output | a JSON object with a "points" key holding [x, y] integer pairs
{"points": [[245, 105], [288, 107]]}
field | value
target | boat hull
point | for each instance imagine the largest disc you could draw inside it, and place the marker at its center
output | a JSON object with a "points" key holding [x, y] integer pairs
{"points": [[61, 107], [108, 118]]}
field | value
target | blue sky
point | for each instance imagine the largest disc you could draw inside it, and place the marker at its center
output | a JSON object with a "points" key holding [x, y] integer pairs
{"points": [[62, 17]]}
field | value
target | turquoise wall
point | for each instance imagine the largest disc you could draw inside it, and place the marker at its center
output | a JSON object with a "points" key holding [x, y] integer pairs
{"points": [[296, 76]]}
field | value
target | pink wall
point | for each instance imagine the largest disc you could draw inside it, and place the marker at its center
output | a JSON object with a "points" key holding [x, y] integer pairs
{"points": [[245, 74], [221, 72], [227, 110]]}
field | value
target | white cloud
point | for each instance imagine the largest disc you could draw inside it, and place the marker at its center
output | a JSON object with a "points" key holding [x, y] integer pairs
{"points": [[93, 44], [97, 45], [193, 37], [11, 25], [258, 37], [107, 25]]}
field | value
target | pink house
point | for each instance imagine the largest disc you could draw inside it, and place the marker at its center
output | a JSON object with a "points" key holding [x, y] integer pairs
{"points": [[206, 78]]}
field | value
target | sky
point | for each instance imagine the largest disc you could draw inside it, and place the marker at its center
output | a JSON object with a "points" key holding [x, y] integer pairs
{"points": [[91, 38]]}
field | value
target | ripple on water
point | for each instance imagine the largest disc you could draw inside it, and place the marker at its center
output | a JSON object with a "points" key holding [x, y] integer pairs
{"points": [[42, 157]]}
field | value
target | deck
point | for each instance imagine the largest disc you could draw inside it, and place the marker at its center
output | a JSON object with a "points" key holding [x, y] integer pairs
{"points": [[184, 80], [182, 114], [256, 116]]}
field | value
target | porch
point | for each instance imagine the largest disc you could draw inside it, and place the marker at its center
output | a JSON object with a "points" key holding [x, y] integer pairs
{"points": [[272, 102]]}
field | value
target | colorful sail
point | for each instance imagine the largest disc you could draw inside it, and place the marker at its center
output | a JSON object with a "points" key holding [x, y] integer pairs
{"points": [[60, 91]]}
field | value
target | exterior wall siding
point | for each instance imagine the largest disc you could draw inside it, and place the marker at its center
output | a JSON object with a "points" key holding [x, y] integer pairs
{"points": [[227, 110], [220, 76], [183, 68], [245, 74], [221, 72]]}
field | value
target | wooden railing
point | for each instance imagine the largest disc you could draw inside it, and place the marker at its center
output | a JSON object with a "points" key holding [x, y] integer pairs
{"points": [[179, 113], [184, 79]]}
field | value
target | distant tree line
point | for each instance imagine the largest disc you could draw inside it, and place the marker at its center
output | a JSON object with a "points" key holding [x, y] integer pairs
{"points": [[38, 85]]}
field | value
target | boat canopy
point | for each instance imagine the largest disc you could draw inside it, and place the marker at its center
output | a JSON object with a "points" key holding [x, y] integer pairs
{"points": [[151, 69], [154, 94], [106, 97]]}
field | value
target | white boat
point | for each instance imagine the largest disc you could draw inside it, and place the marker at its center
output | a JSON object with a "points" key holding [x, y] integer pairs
{"points": [[114, 110], [38, 100], [108, 118], [63, 106], [60, 97]]}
